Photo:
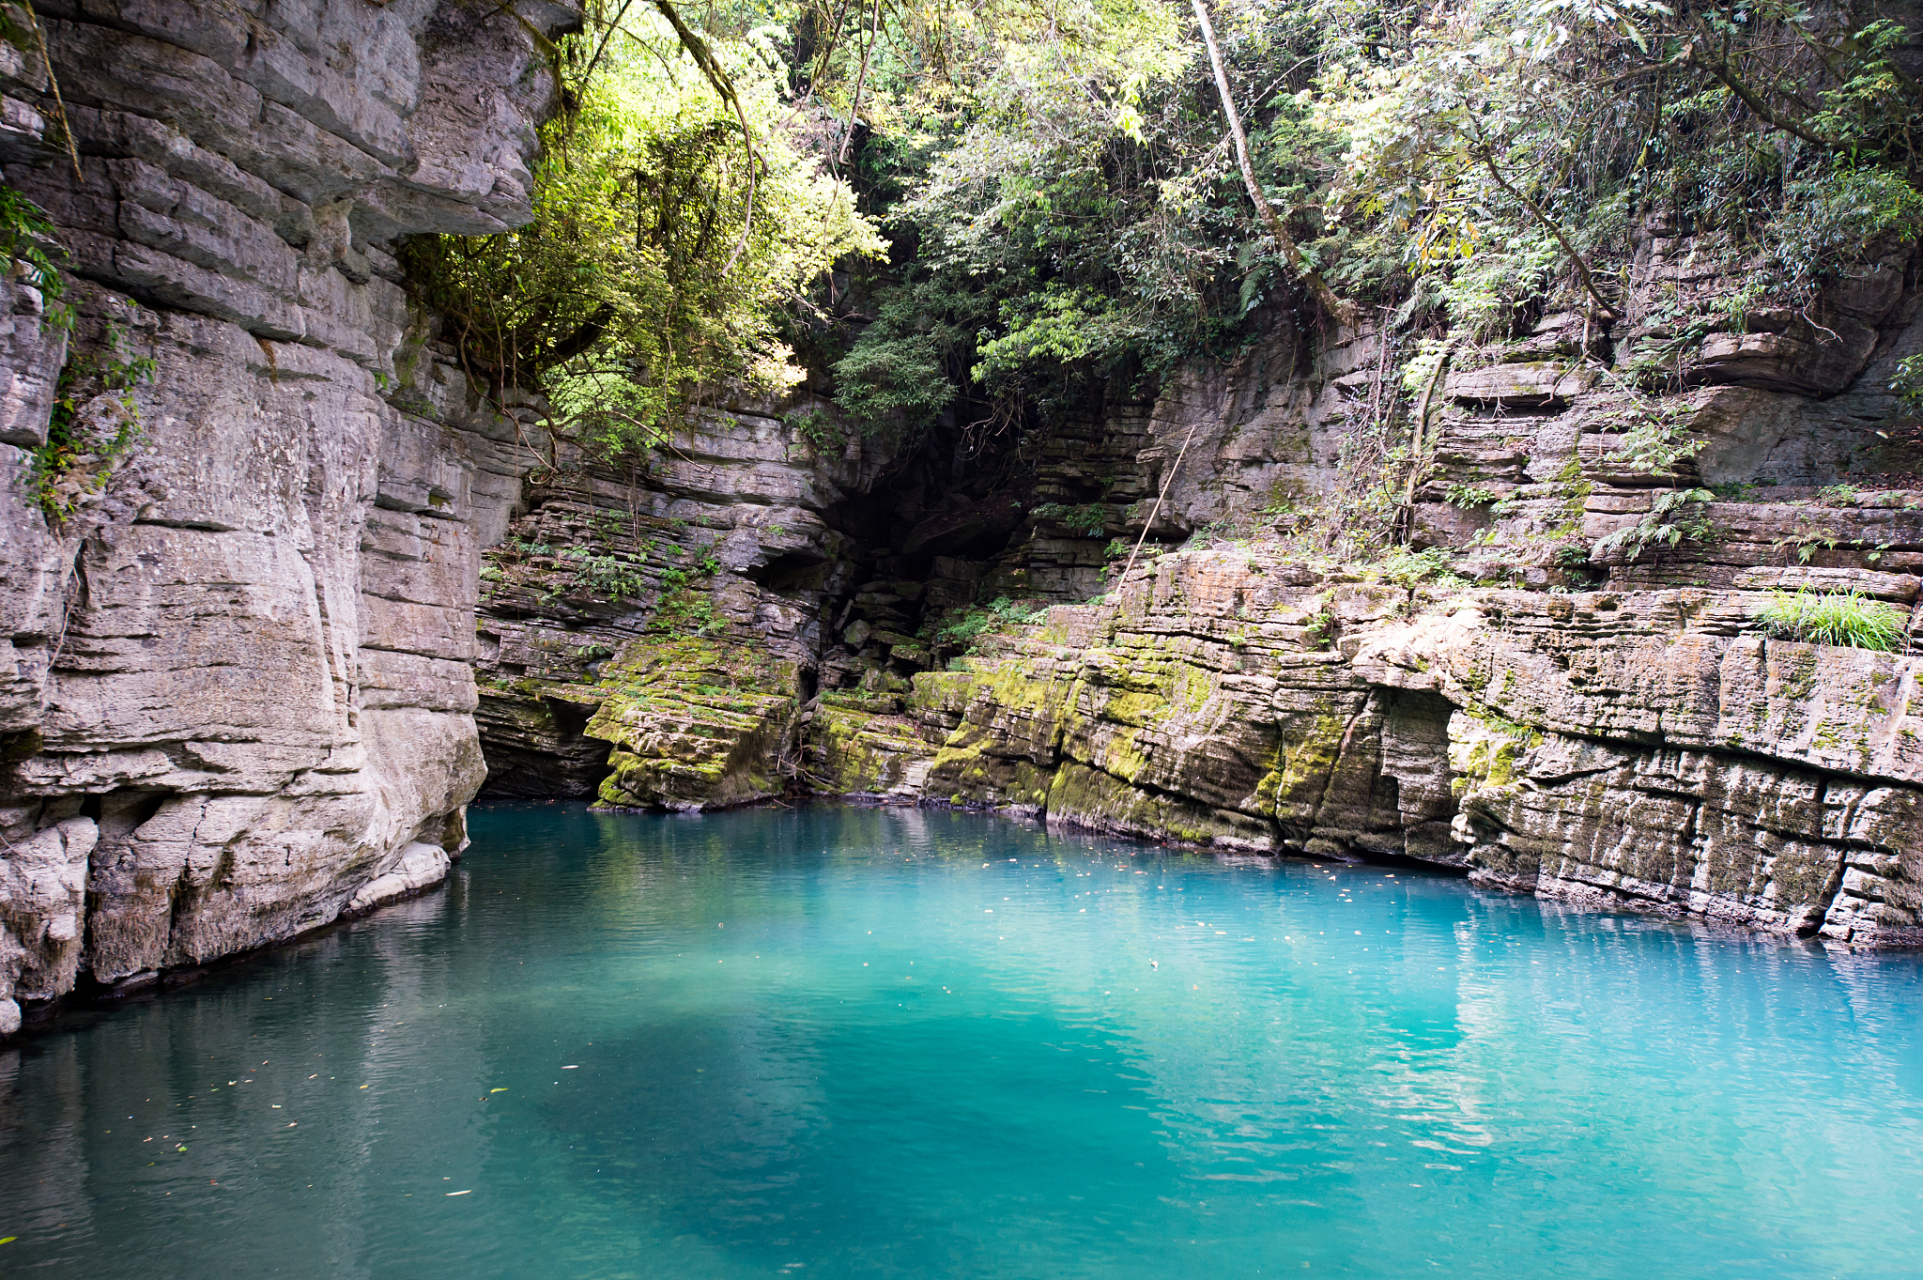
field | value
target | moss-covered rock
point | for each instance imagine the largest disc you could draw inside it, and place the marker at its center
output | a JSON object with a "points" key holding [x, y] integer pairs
{"points": [[854, 750], [695, 723]]}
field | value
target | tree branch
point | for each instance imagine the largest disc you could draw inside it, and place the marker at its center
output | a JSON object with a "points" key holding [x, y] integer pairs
{"points": [[854, 111], [1343, 311], [582, 338], [1754, 101], [46, 59], [718, 77], [1609, 309]]}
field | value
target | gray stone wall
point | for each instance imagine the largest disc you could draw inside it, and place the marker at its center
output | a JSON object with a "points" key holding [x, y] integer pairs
{"points": [[235, 692]]}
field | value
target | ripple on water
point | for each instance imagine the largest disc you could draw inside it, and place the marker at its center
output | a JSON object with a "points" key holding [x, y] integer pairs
{"points": [[856, 1042]]}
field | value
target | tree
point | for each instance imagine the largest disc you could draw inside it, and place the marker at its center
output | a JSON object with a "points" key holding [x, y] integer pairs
{"points": [[1285, 245], [664, 246]]}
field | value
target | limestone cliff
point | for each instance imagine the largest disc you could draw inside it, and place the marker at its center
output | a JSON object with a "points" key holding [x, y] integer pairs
{"points": [[1640, 748], [1583, 706], [235, 686], [1593, 712], [246, 602]]}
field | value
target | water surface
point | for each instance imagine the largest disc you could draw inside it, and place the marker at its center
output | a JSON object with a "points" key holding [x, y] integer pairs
{"points": [[846, 1042]]}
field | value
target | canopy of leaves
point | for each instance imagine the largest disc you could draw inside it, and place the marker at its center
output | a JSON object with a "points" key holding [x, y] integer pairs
{"points": [[665, 247], [1063, 173], [1514, 142], [1065, 210]]}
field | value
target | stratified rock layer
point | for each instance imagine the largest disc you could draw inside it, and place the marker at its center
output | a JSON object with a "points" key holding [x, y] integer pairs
{"points": [[1643, 749], [1579, 716], [235, 684]]}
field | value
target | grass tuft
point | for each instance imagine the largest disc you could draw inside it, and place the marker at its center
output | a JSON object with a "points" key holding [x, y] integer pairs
{"points": [[1846, 618]]}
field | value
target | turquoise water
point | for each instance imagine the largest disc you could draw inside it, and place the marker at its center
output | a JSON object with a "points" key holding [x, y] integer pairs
{"points": [[836, 1043]]}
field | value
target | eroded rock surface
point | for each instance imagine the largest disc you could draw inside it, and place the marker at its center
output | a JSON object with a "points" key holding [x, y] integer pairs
{"points": [[1646, 749], [235, 686], [1583, 715]]}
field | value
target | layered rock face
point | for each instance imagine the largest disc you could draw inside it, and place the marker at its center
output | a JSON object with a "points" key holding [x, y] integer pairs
{"points": [[649, 638], [1595, 713], [236, 617], [1584, 706], [1636, 748]]}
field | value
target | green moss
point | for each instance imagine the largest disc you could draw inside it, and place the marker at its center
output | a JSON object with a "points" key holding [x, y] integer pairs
{"points": [[1292, 790], [695, 722], [1488, 760], [1094, 797]]}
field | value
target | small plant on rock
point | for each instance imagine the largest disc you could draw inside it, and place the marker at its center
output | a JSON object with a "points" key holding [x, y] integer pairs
{"points": [[614, 575], [998, 615], [95, 422], [1090, 519], [1908, 382], [1673, 516], [1845, 618], [1471, 496], [1411, 569], [820, 431], [1840, 495]]}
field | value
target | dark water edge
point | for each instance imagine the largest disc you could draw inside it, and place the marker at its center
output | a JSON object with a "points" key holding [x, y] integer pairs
{"points": [[815, 1043]]}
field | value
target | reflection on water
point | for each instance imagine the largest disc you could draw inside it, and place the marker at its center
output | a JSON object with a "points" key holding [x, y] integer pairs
{"points": [[848, 1042]]}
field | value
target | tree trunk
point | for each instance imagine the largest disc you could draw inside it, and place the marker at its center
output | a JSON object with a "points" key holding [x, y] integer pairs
{"points": [[1286, 246]]}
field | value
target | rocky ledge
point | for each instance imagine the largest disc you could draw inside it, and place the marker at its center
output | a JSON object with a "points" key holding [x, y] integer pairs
{"points": [[1647, 749]]}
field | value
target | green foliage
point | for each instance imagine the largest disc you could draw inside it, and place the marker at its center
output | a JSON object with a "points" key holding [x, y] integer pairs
{"points": [[897, 379], [95, 421], [662, 248], [1489, 288], [1839, 495], [1673, 515], [1507, 144], [1826, 222], [683, 606], [1281, 505], [1471, 496], [615, 575], [687, 612], [1658, 438], [25, 234], [978, 620], [1845, 618], [1432, 566], [1090, 520], [1066, 222], [817, 428], [1806, 539], [1061, 325], [1908, 382], [1320, 629], [1073, 214]]}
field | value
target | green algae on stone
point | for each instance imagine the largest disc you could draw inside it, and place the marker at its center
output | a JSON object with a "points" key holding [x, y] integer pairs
{"points": [[857, 751], [696, 723]]}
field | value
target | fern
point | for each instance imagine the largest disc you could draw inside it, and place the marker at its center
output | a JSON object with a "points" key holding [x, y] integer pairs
{"points": [[1667, 522]]}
